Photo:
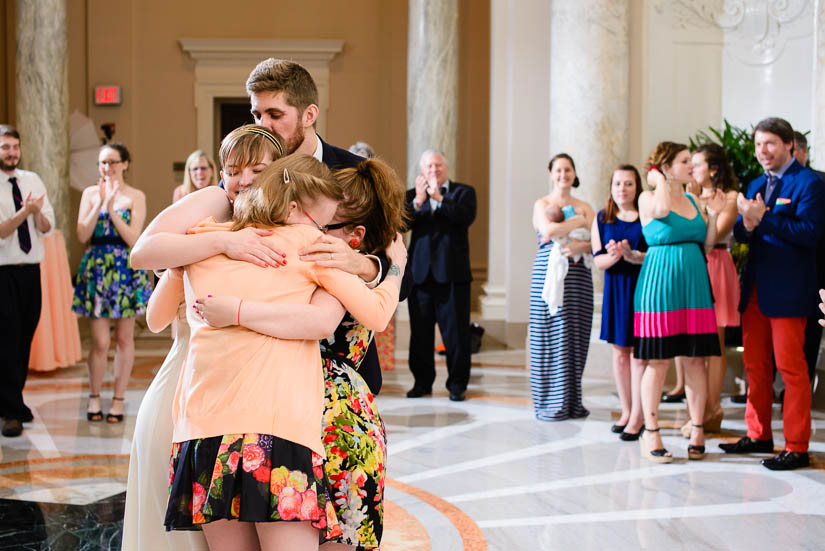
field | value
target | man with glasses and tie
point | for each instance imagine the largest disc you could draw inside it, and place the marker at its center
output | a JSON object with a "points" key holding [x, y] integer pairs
{"points": [[25, 215], [781, 219], [441, 212]]}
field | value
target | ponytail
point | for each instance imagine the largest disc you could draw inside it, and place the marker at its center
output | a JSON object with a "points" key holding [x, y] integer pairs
{"points": [[373, 198]]}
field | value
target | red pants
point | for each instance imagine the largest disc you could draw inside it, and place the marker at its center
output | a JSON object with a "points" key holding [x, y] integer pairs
{"points": [[784, 337]]}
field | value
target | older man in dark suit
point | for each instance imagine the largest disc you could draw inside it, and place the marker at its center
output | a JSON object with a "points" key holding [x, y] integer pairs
{"points": [[781, 219], [439, 261]]}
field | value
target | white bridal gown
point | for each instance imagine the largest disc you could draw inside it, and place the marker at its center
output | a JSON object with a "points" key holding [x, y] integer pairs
{"points": [[147, 490]]}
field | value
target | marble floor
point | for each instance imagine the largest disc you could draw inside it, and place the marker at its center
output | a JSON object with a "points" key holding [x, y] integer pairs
{"points": [[477, 475]]}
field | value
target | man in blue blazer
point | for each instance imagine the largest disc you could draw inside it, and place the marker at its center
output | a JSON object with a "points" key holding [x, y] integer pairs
{"points": [[781, 219], [440, 211]]}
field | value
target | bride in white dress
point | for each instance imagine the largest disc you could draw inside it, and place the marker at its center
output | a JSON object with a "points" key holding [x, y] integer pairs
{"points": [[146, 492]]}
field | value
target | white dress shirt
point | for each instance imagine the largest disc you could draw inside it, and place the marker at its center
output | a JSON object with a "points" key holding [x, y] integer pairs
{"points": [[10, 251]]}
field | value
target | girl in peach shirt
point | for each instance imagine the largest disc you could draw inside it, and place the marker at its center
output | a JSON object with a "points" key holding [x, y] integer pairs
{"points": [[248, 444]]}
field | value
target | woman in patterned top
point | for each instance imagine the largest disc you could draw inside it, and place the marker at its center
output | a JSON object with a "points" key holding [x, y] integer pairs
{"points": [[111, 218]]}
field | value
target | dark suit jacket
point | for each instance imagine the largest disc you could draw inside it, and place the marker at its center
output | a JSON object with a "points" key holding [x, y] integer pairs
{"points": [[782, 257], [370, 368], [440, 243], [820, 247], [335, 157]]}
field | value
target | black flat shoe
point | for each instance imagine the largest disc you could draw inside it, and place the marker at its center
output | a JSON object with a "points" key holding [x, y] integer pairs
{"points": [[617, 429], [673, 398], [739, 399], [458, 396], [748, 445], [787, 461], [416, 392], [631, 436]]}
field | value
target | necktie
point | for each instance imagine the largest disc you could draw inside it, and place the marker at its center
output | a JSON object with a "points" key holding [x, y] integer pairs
{"points": [[772, 180], [23, 229], [443, 190]]}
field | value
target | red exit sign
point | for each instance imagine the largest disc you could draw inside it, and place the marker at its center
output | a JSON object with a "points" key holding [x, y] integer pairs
{"points": [[107, 95]]}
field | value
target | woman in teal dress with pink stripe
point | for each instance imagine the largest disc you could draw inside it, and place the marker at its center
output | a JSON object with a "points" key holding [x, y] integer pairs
{"points": [[673, 303]]}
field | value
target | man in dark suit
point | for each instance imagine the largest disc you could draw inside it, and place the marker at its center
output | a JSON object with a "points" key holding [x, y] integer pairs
{"points": [[781, 220], [439, 261], [813, 330], [284, 98]]}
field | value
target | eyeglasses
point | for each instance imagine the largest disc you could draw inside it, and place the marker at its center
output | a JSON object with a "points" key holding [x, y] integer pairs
{"points": [[110, 163], [323, 229]]}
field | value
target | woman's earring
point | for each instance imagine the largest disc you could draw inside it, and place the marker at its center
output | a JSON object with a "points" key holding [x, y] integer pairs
{"points": [[354, 242]]}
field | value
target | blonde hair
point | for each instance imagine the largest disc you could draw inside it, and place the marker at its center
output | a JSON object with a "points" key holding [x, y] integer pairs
{"points": [[299, 178], [248, 145], [193, 158], [373, 198]]}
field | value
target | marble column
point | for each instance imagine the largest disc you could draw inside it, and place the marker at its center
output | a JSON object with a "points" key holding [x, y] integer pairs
{"points": [[817, 144], [817, 141], [589, 74], [43, 98], [432, 81]]}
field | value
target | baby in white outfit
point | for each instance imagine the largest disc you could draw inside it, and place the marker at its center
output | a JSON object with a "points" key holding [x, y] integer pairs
{"points": [[557, 264]]}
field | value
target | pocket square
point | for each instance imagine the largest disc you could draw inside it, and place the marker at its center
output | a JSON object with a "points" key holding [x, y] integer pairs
{"points": [[783, 201]]}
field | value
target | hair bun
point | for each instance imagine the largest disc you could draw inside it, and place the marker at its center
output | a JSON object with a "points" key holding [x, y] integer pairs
{"points": [[364, 169]]}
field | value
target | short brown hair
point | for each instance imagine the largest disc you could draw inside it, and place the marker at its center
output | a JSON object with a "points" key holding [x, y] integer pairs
{"points": [[267, 203], [9, 130], [280, 75], [716, 157], [777, 126], [373, 198], [663, 154], [247, 145]]}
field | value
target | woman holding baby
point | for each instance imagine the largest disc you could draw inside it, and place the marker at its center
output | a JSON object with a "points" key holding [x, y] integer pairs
{"points": [[560, 319]]}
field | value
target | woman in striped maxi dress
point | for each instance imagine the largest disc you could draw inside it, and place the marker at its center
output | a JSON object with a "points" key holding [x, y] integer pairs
{"points": [[559, 342]]}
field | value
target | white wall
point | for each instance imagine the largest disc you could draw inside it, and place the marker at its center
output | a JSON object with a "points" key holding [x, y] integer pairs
{"points": [[758, 80]]}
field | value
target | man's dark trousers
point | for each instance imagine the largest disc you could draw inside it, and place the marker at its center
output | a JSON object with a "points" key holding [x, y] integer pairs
{"points": [[20, 297]]}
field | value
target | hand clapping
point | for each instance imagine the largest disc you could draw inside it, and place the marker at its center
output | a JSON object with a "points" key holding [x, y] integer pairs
{"points": [[751, 210]]}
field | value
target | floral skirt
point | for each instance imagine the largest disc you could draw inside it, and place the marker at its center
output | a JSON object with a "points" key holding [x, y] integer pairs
{"points": [[356, 447], [108, 287], [248, 477]]}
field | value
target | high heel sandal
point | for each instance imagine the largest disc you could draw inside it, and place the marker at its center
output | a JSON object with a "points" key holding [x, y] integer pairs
{"points": [[711, 424], [658, 455], [714, 423], [114, 417], [94, 416], [696, 452]]}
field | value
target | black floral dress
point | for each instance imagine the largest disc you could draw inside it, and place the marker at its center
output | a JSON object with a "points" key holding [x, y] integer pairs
{"points": [[354, 438]]}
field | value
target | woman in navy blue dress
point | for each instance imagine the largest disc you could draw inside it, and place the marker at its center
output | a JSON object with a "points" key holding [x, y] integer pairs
{"points": [[618, 249]]}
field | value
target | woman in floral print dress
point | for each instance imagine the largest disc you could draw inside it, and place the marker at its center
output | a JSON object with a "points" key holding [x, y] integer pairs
{"points": [[367, 219], [216, 466]]}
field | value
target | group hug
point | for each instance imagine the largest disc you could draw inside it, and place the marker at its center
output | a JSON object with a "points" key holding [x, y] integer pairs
{"points": [[671, 289], [258, 431]]}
